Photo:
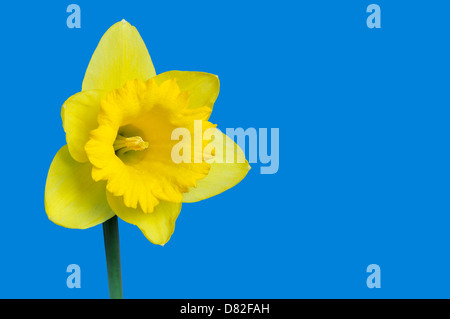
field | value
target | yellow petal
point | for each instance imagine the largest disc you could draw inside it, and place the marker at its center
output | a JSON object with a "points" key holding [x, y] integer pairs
{"points": [[120, 56], [222, 174], [72, 198], [158, 226], [79, 115], [203, 87]]}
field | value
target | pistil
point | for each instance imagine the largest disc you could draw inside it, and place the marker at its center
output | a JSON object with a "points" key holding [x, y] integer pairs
{"points": [[124, 144]]}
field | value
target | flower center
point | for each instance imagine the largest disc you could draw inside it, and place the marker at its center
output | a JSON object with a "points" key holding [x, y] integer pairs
{"points": [[124, 144], [132, 147]]}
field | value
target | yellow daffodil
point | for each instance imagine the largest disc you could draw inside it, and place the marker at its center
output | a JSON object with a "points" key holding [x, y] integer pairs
{"points": [[117, 160]]}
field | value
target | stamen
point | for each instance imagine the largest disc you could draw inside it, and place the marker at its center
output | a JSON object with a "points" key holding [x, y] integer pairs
{"points": [[124, 144]]}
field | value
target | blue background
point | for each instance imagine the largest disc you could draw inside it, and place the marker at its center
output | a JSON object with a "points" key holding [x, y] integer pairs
{"points": [[364, 158]]}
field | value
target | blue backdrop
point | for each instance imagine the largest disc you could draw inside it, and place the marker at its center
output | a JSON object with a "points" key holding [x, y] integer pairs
{"points": [[364, 159]]}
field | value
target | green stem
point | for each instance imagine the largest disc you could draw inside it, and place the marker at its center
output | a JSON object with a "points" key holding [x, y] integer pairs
{"points": [[112, 251]]}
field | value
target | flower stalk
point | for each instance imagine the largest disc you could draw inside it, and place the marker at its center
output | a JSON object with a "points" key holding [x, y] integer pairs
{"points": [[112, 251]]}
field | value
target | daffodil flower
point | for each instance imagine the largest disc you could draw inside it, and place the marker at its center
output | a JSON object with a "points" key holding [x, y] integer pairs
{"points": [[117, 160]]}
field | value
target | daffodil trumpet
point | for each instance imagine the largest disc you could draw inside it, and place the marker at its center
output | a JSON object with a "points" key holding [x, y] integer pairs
{"points": [[122, 157]]}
